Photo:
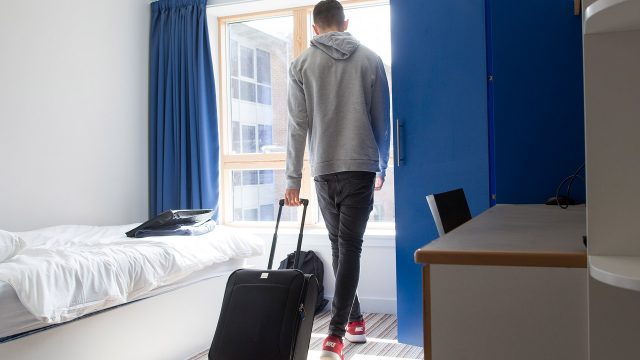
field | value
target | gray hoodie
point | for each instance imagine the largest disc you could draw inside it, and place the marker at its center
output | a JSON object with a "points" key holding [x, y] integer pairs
{"points": [[339, 99]]}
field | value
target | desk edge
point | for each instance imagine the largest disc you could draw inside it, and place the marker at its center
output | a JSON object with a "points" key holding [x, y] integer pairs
{"points": [[502, 258]]}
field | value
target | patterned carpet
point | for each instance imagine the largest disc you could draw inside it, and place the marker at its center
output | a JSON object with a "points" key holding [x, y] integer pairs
{"points": [[382, 341]]}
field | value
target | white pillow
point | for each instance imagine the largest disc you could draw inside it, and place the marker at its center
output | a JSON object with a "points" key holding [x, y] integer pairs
{"points": [[10, 245]]}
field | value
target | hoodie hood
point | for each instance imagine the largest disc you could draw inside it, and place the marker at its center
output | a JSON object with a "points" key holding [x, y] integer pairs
{"points": [[338, 45]]}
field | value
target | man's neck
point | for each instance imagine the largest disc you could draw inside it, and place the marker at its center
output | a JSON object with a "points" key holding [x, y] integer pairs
{"points": [[324, 31]]}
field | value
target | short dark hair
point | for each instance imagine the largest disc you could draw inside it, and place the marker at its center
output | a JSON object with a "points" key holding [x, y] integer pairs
{"points": [[328, 13]]}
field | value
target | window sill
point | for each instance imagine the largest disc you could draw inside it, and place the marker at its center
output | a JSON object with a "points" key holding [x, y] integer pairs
{"points": [[380, 235], [375, 229]]}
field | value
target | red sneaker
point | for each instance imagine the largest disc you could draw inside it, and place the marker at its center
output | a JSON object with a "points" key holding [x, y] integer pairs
{"points": [[355, 332], [332, 348]]}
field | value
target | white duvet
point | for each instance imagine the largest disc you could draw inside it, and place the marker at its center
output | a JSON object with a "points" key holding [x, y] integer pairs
{"points": [[65, 272]]}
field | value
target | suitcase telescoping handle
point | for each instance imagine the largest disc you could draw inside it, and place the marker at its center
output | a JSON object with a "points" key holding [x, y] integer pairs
{"points": [[305, 203]]}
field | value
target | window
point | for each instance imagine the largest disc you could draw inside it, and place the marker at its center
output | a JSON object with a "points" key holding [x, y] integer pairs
{"points": [[255, 195], [265, 136], [263, 61], [246, 62], [253, 82], [371, 25], [256, 52]]}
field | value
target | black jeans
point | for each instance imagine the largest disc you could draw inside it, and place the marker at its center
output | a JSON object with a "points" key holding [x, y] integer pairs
{"points": [[346, 200]]}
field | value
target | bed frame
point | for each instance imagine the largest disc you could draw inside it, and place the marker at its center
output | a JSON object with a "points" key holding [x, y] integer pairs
{"points": [[173, 326]]}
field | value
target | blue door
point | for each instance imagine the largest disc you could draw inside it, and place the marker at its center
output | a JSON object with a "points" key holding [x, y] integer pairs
{"points": [[535, 59], [440, 100]]}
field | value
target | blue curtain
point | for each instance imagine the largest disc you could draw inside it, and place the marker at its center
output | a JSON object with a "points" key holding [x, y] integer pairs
{"points": [[184, 162]]}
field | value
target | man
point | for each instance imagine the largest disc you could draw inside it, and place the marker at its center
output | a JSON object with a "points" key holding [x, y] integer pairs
{"points": [[339, 99]]}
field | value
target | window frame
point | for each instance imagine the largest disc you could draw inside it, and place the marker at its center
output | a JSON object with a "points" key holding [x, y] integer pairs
{"points": [[266, 161]]}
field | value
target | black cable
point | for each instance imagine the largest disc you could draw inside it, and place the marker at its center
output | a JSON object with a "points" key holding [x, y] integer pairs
{"points": [[571, 179], [558, 191], [575, 175]]}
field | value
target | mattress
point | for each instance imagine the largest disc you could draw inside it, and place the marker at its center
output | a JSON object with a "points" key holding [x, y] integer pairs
{"points": [[70, 271], [16, 320]]}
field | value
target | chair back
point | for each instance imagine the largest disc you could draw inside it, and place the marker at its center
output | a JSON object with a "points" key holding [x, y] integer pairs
{"points": [[449, 210]]}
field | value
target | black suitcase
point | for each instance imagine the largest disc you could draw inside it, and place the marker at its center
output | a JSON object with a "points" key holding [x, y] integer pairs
{"points": [[267, 314]]}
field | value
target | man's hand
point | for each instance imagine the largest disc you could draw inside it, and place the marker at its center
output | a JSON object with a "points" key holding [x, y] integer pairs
{"points": [[292, 197], [379, 183]]}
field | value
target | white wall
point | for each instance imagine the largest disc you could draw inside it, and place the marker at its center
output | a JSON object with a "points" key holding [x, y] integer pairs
{"points": [[73, 112], [225, 2]]}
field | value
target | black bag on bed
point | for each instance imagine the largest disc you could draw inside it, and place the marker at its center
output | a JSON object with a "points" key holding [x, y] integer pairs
{"points": [[175, 222], [309, 263], [267, 314]]}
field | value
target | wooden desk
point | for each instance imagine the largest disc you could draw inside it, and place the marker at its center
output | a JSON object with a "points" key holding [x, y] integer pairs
{"points": [[509, 284]]}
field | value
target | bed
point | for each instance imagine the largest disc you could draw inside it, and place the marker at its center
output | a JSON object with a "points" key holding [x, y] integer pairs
{"points": [[168, 309]]}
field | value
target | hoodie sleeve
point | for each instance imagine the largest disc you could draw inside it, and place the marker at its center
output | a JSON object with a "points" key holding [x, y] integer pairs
{"points": [[297, 130], [381, 116]]}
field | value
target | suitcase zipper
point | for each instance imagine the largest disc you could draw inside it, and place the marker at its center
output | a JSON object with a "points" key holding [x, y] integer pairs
{"points": [[299, 322]]}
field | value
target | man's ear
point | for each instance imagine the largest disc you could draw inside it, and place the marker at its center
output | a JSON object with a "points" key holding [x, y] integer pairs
{"points": [[345, 25], [316, 30]]}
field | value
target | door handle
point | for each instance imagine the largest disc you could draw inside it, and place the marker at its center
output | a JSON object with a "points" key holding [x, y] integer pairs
{"points": [[399, 126]]}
